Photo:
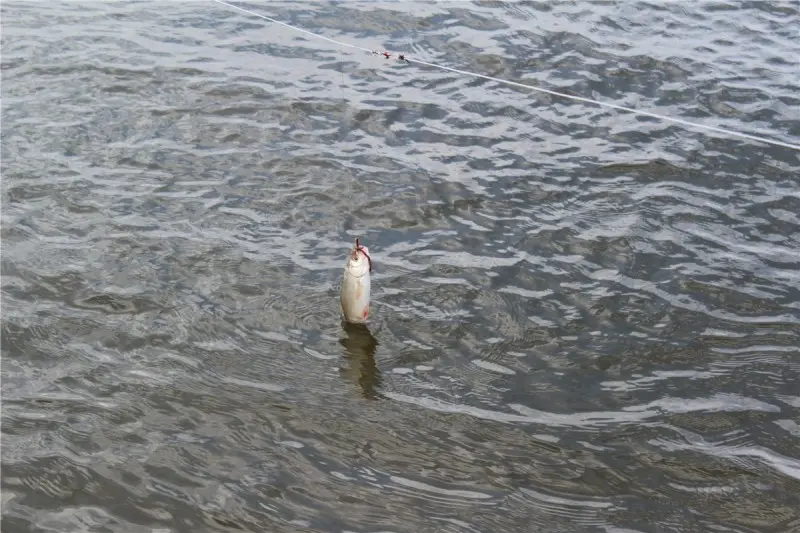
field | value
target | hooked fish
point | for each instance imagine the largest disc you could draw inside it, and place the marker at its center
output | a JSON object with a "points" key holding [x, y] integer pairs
{"points": [[354, 293]]}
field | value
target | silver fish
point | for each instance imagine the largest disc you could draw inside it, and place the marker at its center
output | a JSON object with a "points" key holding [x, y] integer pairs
{"points": [[354, 293]]}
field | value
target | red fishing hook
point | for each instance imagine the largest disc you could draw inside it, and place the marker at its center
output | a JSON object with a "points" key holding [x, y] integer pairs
{"points": [[360, 248]]}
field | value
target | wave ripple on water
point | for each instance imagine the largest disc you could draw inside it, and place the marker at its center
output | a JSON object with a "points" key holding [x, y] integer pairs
{"points": [[584, 321]]}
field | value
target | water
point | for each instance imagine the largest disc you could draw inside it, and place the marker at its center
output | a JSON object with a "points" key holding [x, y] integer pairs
{"points": [[583, 321]]}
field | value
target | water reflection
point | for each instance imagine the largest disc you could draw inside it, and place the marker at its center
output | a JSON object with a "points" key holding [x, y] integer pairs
{"points": [[583, 318], [359, 351]]}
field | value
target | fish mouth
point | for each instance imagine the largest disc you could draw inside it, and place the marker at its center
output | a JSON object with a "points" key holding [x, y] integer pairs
{"points": [[360, 249]]}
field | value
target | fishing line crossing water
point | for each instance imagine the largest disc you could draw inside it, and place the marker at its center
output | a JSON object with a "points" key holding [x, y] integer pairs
{"points": [[409, 60]]}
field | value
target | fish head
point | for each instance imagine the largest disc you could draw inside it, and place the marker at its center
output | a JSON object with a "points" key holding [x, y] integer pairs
{"points": [[359, 262]]}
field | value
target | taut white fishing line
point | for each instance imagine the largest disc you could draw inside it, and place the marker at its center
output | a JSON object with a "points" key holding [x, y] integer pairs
{"points": [[410, 60]]}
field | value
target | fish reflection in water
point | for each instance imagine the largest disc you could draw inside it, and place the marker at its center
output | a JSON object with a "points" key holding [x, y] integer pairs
{"points": [[359, 351]]}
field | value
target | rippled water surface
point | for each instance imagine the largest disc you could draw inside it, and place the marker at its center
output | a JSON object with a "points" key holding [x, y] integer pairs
{"points": [[582, 320]]}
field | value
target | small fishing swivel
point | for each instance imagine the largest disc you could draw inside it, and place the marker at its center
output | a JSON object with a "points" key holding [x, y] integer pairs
{"points": [[387, 55]]}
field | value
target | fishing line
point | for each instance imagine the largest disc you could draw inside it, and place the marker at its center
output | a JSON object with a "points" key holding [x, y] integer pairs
{"points": [[409, 60]]}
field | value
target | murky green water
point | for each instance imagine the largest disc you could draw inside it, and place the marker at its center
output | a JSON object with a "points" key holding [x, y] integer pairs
{"points": [[582, 321]]}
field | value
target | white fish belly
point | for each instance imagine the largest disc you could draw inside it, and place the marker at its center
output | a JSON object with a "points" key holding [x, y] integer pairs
{"points": [[354, 297]]}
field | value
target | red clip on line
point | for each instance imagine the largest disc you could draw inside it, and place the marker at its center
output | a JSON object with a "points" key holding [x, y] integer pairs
{"points": [[387, 55]]}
